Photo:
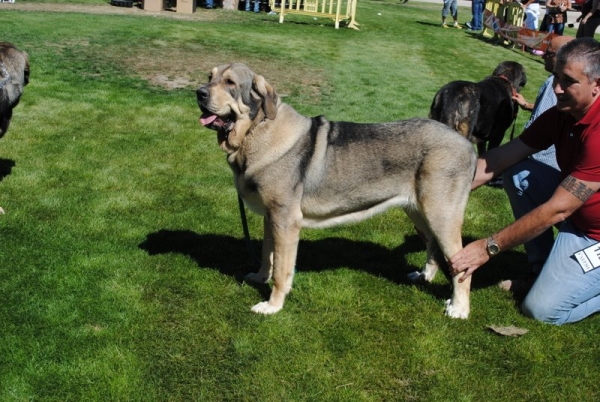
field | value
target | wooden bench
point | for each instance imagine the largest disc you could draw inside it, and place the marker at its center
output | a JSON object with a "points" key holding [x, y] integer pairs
{"points": [[337, 10]]}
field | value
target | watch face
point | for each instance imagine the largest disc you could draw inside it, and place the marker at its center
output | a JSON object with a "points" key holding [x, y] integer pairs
{"points": [[492, 247]]}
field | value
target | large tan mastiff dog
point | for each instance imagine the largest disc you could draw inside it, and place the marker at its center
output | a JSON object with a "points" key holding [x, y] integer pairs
{"points": [[300, 172], [14, 75]]}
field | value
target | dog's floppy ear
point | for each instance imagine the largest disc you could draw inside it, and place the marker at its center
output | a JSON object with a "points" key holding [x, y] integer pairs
{"points": [[268, 95], [26, 72]]}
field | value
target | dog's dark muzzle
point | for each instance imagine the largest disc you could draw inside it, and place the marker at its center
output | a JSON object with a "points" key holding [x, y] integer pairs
{"points": [[202, 95]]}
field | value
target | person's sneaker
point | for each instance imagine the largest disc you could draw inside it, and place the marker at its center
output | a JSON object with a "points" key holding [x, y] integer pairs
{"points": [[444, 25], [457, 26], [468, 24], [518, 287]]}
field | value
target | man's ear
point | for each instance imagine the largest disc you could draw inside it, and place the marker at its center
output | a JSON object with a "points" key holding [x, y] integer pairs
{"points": [[596, 89], [267, 94]]}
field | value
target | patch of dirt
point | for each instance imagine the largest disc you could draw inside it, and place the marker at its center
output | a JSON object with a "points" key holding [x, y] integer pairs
{"points": [[178, 68], [204, 15]]}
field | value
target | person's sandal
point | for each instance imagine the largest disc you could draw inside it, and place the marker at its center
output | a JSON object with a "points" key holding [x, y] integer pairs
{"points": [[518, 287]]}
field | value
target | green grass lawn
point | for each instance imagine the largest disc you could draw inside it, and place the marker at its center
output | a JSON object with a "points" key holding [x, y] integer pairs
{"points": [[122, 253]]}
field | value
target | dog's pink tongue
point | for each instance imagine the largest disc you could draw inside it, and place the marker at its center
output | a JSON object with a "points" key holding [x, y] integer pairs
{"points": [[206, 119]]}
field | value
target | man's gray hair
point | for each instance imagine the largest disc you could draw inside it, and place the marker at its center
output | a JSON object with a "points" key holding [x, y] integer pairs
{"points": [[585, 50]]}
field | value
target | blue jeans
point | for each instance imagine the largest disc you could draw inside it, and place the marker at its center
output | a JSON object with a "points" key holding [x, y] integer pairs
{"points": [[556, 28], [528, 184], [562, 292], [477, 7], [256, 5], [450, 8]]}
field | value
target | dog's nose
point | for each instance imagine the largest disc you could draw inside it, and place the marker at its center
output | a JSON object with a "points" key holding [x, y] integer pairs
{"points": [[202, 93]]}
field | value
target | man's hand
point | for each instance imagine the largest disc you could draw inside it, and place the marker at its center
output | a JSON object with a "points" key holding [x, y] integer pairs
{"points": [[522, 102], [469, 259]]}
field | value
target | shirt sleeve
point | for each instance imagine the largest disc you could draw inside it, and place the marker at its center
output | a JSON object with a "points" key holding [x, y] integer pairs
{"points": [[539, 134]]}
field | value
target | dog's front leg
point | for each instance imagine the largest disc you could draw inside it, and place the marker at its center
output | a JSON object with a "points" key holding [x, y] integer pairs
{"points": [[266, 268], [458, 305], [285, 229]]}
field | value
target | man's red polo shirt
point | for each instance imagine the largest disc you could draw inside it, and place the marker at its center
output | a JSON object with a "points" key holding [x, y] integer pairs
{"points": [[577, 153]]}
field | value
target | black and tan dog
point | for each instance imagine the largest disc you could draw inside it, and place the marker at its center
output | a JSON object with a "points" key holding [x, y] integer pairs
{"points": [[300, 172], [481, 111], [14, 75]]}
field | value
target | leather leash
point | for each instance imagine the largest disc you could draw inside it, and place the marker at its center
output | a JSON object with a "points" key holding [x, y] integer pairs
{"points": [[251, 251]]}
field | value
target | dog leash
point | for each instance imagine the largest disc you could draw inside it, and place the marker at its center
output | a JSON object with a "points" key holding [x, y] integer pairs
{"points": [[514, 92], [251, 251], [512, 132]]}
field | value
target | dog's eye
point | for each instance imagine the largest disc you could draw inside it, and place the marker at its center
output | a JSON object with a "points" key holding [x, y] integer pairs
{"points": [[229, 81]]}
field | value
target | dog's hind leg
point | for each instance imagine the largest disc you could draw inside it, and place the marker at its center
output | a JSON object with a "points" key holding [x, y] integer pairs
{"points": [[431, 266], [285, 230]]}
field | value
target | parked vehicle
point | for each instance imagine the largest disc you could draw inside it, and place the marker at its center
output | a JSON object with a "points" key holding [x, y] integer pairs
{"points": [[577, 4]]}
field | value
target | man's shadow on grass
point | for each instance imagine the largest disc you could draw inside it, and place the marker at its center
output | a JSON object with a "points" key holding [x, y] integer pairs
{"points": [[231, 256]]}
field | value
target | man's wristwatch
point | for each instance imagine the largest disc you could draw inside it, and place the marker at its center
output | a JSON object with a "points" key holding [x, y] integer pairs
{"points": [[492, 247]]}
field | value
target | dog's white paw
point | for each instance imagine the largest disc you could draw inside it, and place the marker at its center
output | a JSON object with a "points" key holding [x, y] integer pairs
{"points": [[456, 312], [256, 277], [265, 308]]}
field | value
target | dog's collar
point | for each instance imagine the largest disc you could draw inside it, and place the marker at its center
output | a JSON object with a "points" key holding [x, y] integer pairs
{"points": [[514, 91]]}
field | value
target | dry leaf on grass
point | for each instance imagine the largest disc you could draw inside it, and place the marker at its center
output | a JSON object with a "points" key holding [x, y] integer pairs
{"points": [[508, 331]]}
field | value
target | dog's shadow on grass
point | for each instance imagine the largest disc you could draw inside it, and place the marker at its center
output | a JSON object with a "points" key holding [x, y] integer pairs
{"points": [[6, 166], [231, 256]]}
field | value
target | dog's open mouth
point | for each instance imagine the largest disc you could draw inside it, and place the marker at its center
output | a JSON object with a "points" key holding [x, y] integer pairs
{"points": [[214, 122], [222, 125]]}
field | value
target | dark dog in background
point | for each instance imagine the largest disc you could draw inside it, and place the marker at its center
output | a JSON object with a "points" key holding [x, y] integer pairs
{"points": [[481, 111], [14, 75]]}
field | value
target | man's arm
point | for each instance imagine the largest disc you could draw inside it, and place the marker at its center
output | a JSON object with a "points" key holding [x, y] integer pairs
{"points": [[522, 102], [495, 161], [568, 197]]}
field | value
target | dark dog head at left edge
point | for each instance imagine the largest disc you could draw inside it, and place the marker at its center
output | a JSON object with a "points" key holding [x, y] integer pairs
{"points": [[231, 106], [14, 76]]}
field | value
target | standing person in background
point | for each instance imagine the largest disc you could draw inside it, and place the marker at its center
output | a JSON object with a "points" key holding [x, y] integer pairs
{"points": [[476, 24], [557, 15], [209, 4], [531, 8], [450, 8], [256, 5], [589, 19]]}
